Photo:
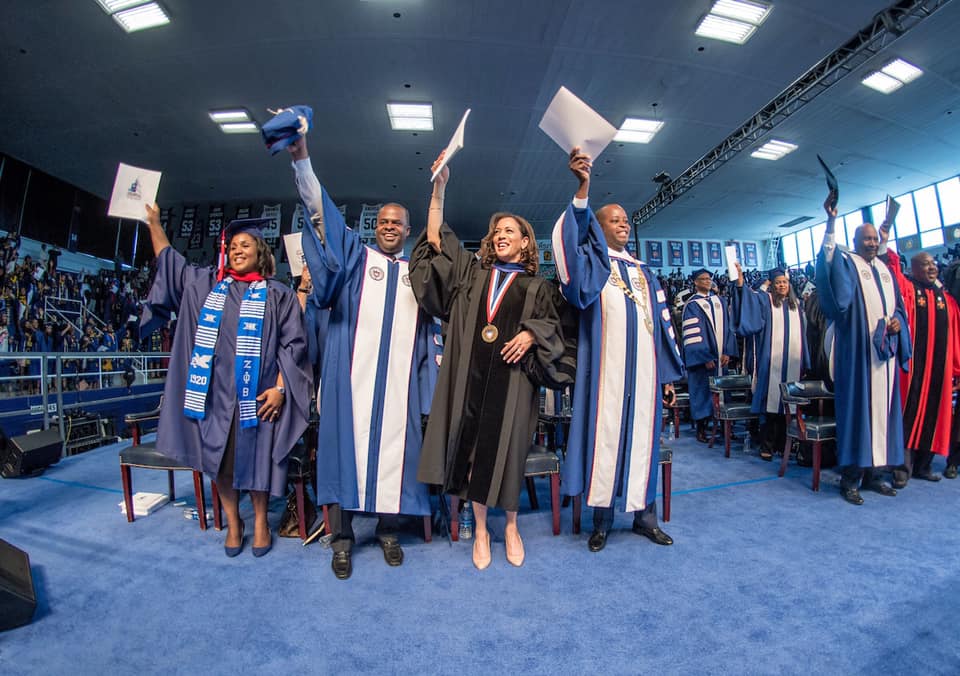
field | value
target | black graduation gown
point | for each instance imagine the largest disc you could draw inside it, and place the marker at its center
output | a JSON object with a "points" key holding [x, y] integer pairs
{"points": [[484, 411]]}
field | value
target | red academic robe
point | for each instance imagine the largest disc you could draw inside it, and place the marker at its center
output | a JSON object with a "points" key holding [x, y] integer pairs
{"points": [[926, 387]]}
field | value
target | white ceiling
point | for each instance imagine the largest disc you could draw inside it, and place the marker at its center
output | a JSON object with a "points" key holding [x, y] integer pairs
{"points": [[79, 96]]}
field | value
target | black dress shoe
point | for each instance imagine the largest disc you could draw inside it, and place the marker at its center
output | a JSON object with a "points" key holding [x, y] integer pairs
{"points": [[597, 541], [882, 488], [929, 476], [702, 437], [392, 553], [852, 495], [950, 472], [342, 565], [655, 534], [899, 483]]}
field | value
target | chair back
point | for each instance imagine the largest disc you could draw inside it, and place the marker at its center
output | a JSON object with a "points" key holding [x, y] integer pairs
{"points": [[736, 381]]}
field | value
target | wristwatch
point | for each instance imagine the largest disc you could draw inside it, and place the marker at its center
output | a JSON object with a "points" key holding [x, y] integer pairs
{"points": [[282, 390]]}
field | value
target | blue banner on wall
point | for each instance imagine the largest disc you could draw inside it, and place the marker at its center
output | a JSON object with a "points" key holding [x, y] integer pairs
{"points": [[695, 249], [714, 257], [655, 254], [675, 249], [750, 255]]}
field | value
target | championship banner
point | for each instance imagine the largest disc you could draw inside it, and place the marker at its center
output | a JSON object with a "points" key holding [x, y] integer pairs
{"points": [[695, 249], [750, 254], [545, 249], [165, 216], [300, 219], [675, 250], [367, 224], [271, 231], [548, 271], [215, 221], [632, 248], [714, 254], [243, 212], [654, 254], [196, 238], [909, 244], [186, 223]]}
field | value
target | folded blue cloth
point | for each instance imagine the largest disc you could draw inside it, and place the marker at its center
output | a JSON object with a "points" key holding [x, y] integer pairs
{"points": [[286, 126]]}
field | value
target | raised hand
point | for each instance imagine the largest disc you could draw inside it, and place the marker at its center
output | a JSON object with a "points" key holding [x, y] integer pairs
{"points": [[298, 149], [580, 165], [444, 175]]}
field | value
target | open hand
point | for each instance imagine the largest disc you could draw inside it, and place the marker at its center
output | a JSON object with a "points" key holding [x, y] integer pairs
{"points": [[272, 403], [514, 350]]}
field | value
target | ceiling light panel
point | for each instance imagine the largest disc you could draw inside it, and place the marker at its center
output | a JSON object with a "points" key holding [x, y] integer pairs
{"points": [[141, 17], [882, 82], [773, 150], [637, 130], [232, 115], [410, 116], [239, 128], [728, 30], [901, 70], [751, 12]]}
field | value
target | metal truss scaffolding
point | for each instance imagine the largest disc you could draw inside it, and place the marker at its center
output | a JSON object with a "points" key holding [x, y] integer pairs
{"points": [[886, 27]]}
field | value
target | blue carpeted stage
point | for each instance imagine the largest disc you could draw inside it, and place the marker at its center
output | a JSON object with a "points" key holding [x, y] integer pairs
{"points": [[765, 577]]}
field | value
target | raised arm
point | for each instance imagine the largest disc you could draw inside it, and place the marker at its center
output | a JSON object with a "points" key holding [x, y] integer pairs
{"points": [[435, 213], [157, 236]]}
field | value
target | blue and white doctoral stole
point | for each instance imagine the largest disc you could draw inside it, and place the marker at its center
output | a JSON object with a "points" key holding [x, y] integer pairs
{"points": [[616, 384], [712, 308], [786, 351], [880, 302], [383, 354]]}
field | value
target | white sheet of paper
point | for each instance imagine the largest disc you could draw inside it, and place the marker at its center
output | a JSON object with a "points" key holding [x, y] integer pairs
{"points": [[133, 188], [570, 123], [455, 145], [293, 244], [893, 206], [731, 254]]}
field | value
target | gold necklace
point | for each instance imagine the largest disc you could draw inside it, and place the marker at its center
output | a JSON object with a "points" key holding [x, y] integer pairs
{"points": [[642, 304]]}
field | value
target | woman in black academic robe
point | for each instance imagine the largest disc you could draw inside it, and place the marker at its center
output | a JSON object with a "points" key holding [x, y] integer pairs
{"points": [[504, 333]]}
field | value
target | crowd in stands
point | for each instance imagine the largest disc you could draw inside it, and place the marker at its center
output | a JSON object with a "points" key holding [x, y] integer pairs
{"points": [[44, 309]]}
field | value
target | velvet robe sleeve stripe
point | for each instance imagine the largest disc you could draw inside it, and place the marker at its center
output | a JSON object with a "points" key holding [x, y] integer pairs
{"points": [[614, 440], [869, 428], [580, 250]]}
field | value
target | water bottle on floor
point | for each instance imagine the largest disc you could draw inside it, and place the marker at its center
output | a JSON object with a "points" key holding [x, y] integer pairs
{"points": [[466, 521]]}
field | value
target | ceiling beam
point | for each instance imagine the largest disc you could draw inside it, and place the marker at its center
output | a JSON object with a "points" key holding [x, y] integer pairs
{"points": [[886, 27]]}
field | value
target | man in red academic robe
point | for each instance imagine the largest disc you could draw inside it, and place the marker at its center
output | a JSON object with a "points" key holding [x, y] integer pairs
{"points": [[927, 387]]}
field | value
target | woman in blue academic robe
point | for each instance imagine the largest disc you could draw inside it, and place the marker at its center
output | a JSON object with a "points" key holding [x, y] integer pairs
{"points": [[238, 385]]}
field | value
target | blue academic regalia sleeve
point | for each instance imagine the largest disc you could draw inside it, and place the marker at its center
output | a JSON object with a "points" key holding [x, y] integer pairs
{"points": [[730, 347], [332, 257], [294, 365], [903, 339], [580, 253], [669, 362], [746, 310], [835, 284], [174, 275], [699, 344]]}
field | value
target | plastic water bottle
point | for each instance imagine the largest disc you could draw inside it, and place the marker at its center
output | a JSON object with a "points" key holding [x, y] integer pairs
{"points": [[746, 441], [466, 521], [193, 513]]}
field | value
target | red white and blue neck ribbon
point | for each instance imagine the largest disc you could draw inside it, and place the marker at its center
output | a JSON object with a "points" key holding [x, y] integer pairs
{"points": [[500, 282]]}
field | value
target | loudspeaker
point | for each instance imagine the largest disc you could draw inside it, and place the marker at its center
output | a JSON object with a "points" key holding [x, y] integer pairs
{"points": [[30, 453], [18, 600]]}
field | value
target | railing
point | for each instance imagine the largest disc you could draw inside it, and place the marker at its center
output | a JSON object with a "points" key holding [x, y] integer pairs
{"points": [[73, 311]]}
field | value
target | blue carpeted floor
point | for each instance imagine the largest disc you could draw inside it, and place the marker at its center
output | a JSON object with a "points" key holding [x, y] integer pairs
{"points": [[765, 577]]}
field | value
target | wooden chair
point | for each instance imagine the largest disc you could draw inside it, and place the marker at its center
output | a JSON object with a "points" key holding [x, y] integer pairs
{"points": [[146, 456], [731, 402], [666, 476], [816, 429]]}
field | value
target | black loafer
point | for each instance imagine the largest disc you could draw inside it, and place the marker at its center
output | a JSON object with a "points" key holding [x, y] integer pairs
{"points": [[929, 476], [654, 534], [883, 488], [597, 541], [852, 495], [392, 553], [950, 472], [342, 565]]}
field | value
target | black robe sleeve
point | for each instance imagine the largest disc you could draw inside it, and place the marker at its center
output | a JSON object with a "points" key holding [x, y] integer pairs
{"points": [[554, 325], [438, 278]]}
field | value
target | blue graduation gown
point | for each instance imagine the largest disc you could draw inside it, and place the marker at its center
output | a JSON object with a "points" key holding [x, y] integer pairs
{"points": [[869, 429], [261, 452], [614, 443], [778, 337], [704, 317], [378, 371]]}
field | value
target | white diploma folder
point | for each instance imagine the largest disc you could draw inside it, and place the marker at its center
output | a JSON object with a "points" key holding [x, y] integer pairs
{"points": [[731, 254], [455, 146], [133, 188], [570, 123], [294, 247]]}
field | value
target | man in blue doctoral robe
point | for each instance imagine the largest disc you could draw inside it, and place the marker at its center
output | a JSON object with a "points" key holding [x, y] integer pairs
{"points": [[378, 373], [859, 295], [626, 353], [708, 345], [772, 322]]}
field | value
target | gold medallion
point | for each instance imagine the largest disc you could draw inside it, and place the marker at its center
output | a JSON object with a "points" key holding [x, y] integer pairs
{"points": [[489, 333]]}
